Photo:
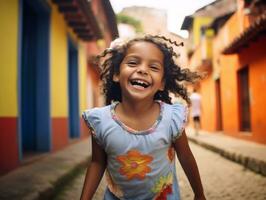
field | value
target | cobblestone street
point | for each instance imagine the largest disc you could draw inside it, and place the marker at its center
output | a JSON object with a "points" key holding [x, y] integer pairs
{"points": [[222, 180]]}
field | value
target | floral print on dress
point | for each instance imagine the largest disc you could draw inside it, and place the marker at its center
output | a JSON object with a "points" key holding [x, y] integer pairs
{"points": [[134, 165], [163, 187], [109, 133], [114, 188]]}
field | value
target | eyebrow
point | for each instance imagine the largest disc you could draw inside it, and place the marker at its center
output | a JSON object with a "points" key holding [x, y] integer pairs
{"points": [[137, 57]]}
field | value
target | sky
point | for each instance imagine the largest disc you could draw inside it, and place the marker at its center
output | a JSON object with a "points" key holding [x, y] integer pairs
{"points": [[176, 9]]}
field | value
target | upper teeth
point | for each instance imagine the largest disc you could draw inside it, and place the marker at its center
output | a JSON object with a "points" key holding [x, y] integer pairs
{"points": [[140, 82]]}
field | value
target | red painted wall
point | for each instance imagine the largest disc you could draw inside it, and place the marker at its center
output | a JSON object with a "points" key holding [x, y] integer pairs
{"points": [[8, 144], [59, 133]]}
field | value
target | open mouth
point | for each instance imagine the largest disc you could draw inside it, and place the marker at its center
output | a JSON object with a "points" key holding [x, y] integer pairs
{"points": [[140, 83]]}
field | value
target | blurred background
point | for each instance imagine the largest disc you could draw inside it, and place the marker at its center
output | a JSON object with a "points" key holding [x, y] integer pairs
{"points": [[48, 77]]}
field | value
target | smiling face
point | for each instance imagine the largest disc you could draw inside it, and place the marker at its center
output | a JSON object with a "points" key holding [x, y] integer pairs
{"points": [[141, 72]]}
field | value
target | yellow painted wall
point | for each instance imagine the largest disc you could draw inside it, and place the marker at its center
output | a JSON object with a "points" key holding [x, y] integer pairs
{"points": [[8, 57], [198, 22], [59, 65], [82, 76], [59, 90]]}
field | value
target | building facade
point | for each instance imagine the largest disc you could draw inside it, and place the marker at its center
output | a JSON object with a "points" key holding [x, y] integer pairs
{"points": [[46, 46], [232, 53]]}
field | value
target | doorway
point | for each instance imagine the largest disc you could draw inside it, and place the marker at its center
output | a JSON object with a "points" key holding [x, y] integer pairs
{"points": [[73, 90], [243, 99], [219, 122], [33, 74]]}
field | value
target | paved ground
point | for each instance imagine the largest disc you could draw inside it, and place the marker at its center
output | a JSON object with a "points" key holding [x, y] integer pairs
{"points": [[41, 178], [249, 154], [222, 180]]}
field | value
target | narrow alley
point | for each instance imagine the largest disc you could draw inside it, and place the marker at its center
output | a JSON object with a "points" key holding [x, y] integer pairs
{"points": [[60, 59]]}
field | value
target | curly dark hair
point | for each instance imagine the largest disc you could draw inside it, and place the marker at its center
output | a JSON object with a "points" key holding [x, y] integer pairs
{"points": [[174, 76]]}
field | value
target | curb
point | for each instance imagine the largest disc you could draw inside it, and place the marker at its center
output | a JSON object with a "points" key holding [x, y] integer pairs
{"points": [[47, 190], [50, 193], [44, 178], [257, 166]]}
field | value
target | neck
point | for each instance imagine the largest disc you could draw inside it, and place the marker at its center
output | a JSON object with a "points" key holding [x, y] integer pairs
{"points": [[136, 107]]}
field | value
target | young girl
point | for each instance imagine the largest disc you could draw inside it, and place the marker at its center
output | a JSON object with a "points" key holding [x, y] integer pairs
{"points": [[136, 136]]}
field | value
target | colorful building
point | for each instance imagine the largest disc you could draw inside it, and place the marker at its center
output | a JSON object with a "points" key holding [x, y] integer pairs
{"points": [[232, 53], [46, 48]]}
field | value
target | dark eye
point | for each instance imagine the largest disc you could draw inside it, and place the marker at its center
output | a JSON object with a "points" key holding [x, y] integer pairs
{"points": [[132, 63], [155, 67]]}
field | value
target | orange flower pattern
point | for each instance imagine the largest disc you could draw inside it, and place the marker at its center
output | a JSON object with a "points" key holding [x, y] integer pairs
{"points": [[134, 164], [135, 172]]}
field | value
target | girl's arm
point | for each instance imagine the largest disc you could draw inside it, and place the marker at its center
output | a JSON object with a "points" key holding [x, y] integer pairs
{"points": [[189, 165], [94, 172]]}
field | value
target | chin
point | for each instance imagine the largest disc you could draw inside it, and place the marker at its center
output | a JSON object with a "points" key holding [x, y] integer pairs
{"points": [[140, 97]]}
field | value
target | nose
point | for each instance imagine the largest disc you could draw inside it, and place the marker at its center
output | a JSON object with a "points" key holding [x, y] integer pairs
{"points": [[142, 69]]}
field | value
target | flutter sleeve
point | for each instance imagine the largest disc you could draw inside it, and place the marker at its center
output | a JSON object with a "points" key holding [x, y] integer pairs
{"points": [[178, 120], [92, 118]]}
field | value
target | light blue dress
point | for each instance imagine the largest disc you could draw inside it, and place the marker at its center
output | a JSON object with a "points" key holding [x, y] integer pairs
{"points": [[140, 164]]}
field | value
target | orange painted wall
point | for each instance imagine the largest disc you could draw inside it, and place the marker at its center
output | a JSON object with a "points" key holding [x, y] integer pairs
{"points": [[254, 57], [257, 87], [258, 98], [207, 90], [226, 68], [229, 93]]}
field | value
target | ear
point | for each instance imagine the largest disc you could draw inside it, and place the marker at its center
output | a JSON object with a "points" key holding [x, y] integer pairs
{"points": [[116, 78]]}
